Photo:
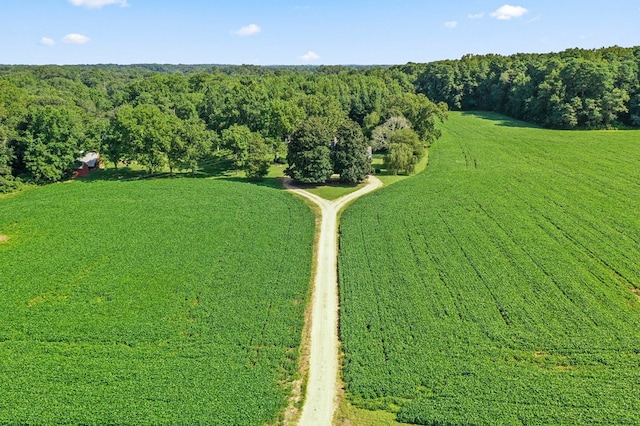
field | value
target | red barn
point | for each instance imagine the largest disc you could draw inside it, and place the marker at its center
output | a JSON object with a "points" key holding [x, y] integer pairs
{"points": [[90, 161]]}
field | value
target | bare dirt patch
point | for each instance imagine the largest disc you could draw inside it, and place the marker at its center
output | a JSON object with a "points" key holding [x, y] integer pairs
{"points": [[635, 291], [4, 238]]}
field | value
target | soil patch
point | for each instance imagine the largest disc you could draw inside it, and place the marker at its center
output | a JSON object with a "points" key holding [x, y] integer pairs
{"points": [[635, 291], [3, 238]]}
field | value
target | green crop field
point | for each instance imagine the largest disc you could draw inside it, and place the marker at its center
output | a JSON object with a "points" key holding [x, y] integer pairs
{"points": [[500, 286], [171, 301]]}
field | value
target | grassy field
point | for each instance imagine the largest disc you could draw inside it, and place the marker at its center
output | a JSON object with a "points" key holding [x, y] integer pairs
{"points": [[500, 286], [151, 302]]}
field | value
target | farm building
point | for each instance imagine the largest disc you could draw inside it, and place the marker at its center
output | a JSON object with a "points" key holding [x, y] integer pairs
{"points": [[87, 163]]}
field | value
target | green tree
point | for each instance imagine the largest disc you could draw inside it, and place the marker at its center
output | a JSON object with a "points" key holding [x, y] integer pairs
{"points": [[327, 107], [381, 134], [51, 143], [351, 159], [257, 164], [154, 131], [7, 181], [197, 143], [119, 140], [280, 119], [309, 155], [405, 151], [237, 139], [421, 112]]}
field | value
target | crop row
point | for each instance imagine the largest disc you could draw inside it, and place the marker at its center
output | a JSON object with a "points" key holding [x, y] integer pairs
{"points": [[151, 302], [498, 290]]}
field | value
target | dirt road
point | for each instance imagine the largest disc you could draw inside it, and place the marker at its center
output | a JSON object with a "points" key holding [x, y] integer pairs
{"points": [[320, 400]]}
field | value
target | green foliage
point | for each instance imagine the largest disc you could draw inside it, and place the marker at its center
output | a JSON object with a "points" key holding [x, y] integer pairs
{"points": [[51, 143], [237, 139], [350, 156], [381, 134], [154, 115], [281, 118], [248, 150], [152, 132], [421, 112], [309, 156], [258, 162], [497, 287], [119, 140], [172, 301], [194, 142], [572, 89], [404, 151], [7, 181]]}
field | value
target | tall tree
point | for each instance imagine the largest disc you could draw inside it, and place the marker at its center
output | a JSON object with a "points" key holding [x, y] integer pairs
{"points": [[257, 164], [381, 134], [405, 151], [351, 160], [197, 143], [237, 139], [7, 181], [118, 143], [309, 155], [51, 143], [421, 112]]}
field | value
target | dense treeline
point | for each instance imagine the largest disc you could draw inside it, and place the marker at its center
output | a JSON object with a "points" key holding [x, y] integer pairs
{"points": [[175, 116], [576, 88]]}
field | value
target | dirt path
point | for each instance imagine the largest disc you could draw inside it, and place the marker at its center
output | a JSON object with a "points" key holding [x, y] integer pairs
{"points": [[320, 401]]}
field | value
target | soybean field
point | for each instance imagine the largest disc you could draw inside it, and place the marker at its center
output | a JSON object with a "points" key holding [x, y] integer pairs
{"points": [[173, 301], [500, 285]]}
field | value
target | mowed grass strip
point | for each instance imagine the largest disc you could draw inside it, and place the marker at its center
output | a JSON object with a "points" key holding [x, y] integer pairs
{"points": [[173, 301], [500, 285]]}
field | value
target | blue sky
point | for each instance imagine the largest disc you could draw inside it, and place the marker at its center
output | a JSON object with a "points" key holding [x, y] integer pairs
{"points": [[303, 32]]}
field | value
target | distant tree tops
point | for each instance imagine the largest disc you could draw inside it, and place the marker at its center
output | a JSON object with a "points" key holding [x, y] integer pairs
{"points": [[576, 88]]}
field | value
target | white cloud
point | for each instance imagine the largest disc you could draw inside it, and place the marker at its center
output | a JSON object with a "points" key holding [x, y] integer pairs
{"points": [[75, 39], [46, 41], [96, 4], [476, 15], [248, 30], [508, 12], [451, 24], [310, 56]]}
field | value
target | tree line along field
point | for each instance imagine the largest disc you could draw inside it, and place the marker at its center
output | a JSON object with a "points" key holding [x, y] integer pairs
{"points": [[151, 302], [500, 286], [177, 116]]}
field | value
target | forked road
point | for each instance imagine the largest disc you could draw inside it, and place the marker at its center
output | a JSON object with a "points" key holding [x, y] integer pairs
{"points": [[320, 400]]}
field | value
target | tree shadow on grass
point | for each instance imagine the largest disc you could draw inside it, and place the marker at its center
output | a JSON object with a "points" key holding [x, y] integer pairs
{"points": [[267, 182], [500, 119], [209, 168], [333, 182]]}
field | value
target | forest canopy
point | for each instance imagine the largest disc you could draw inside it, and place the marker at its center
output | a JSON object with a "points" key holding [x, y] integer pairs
{"points": [[174, 116], [592, 89]]}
